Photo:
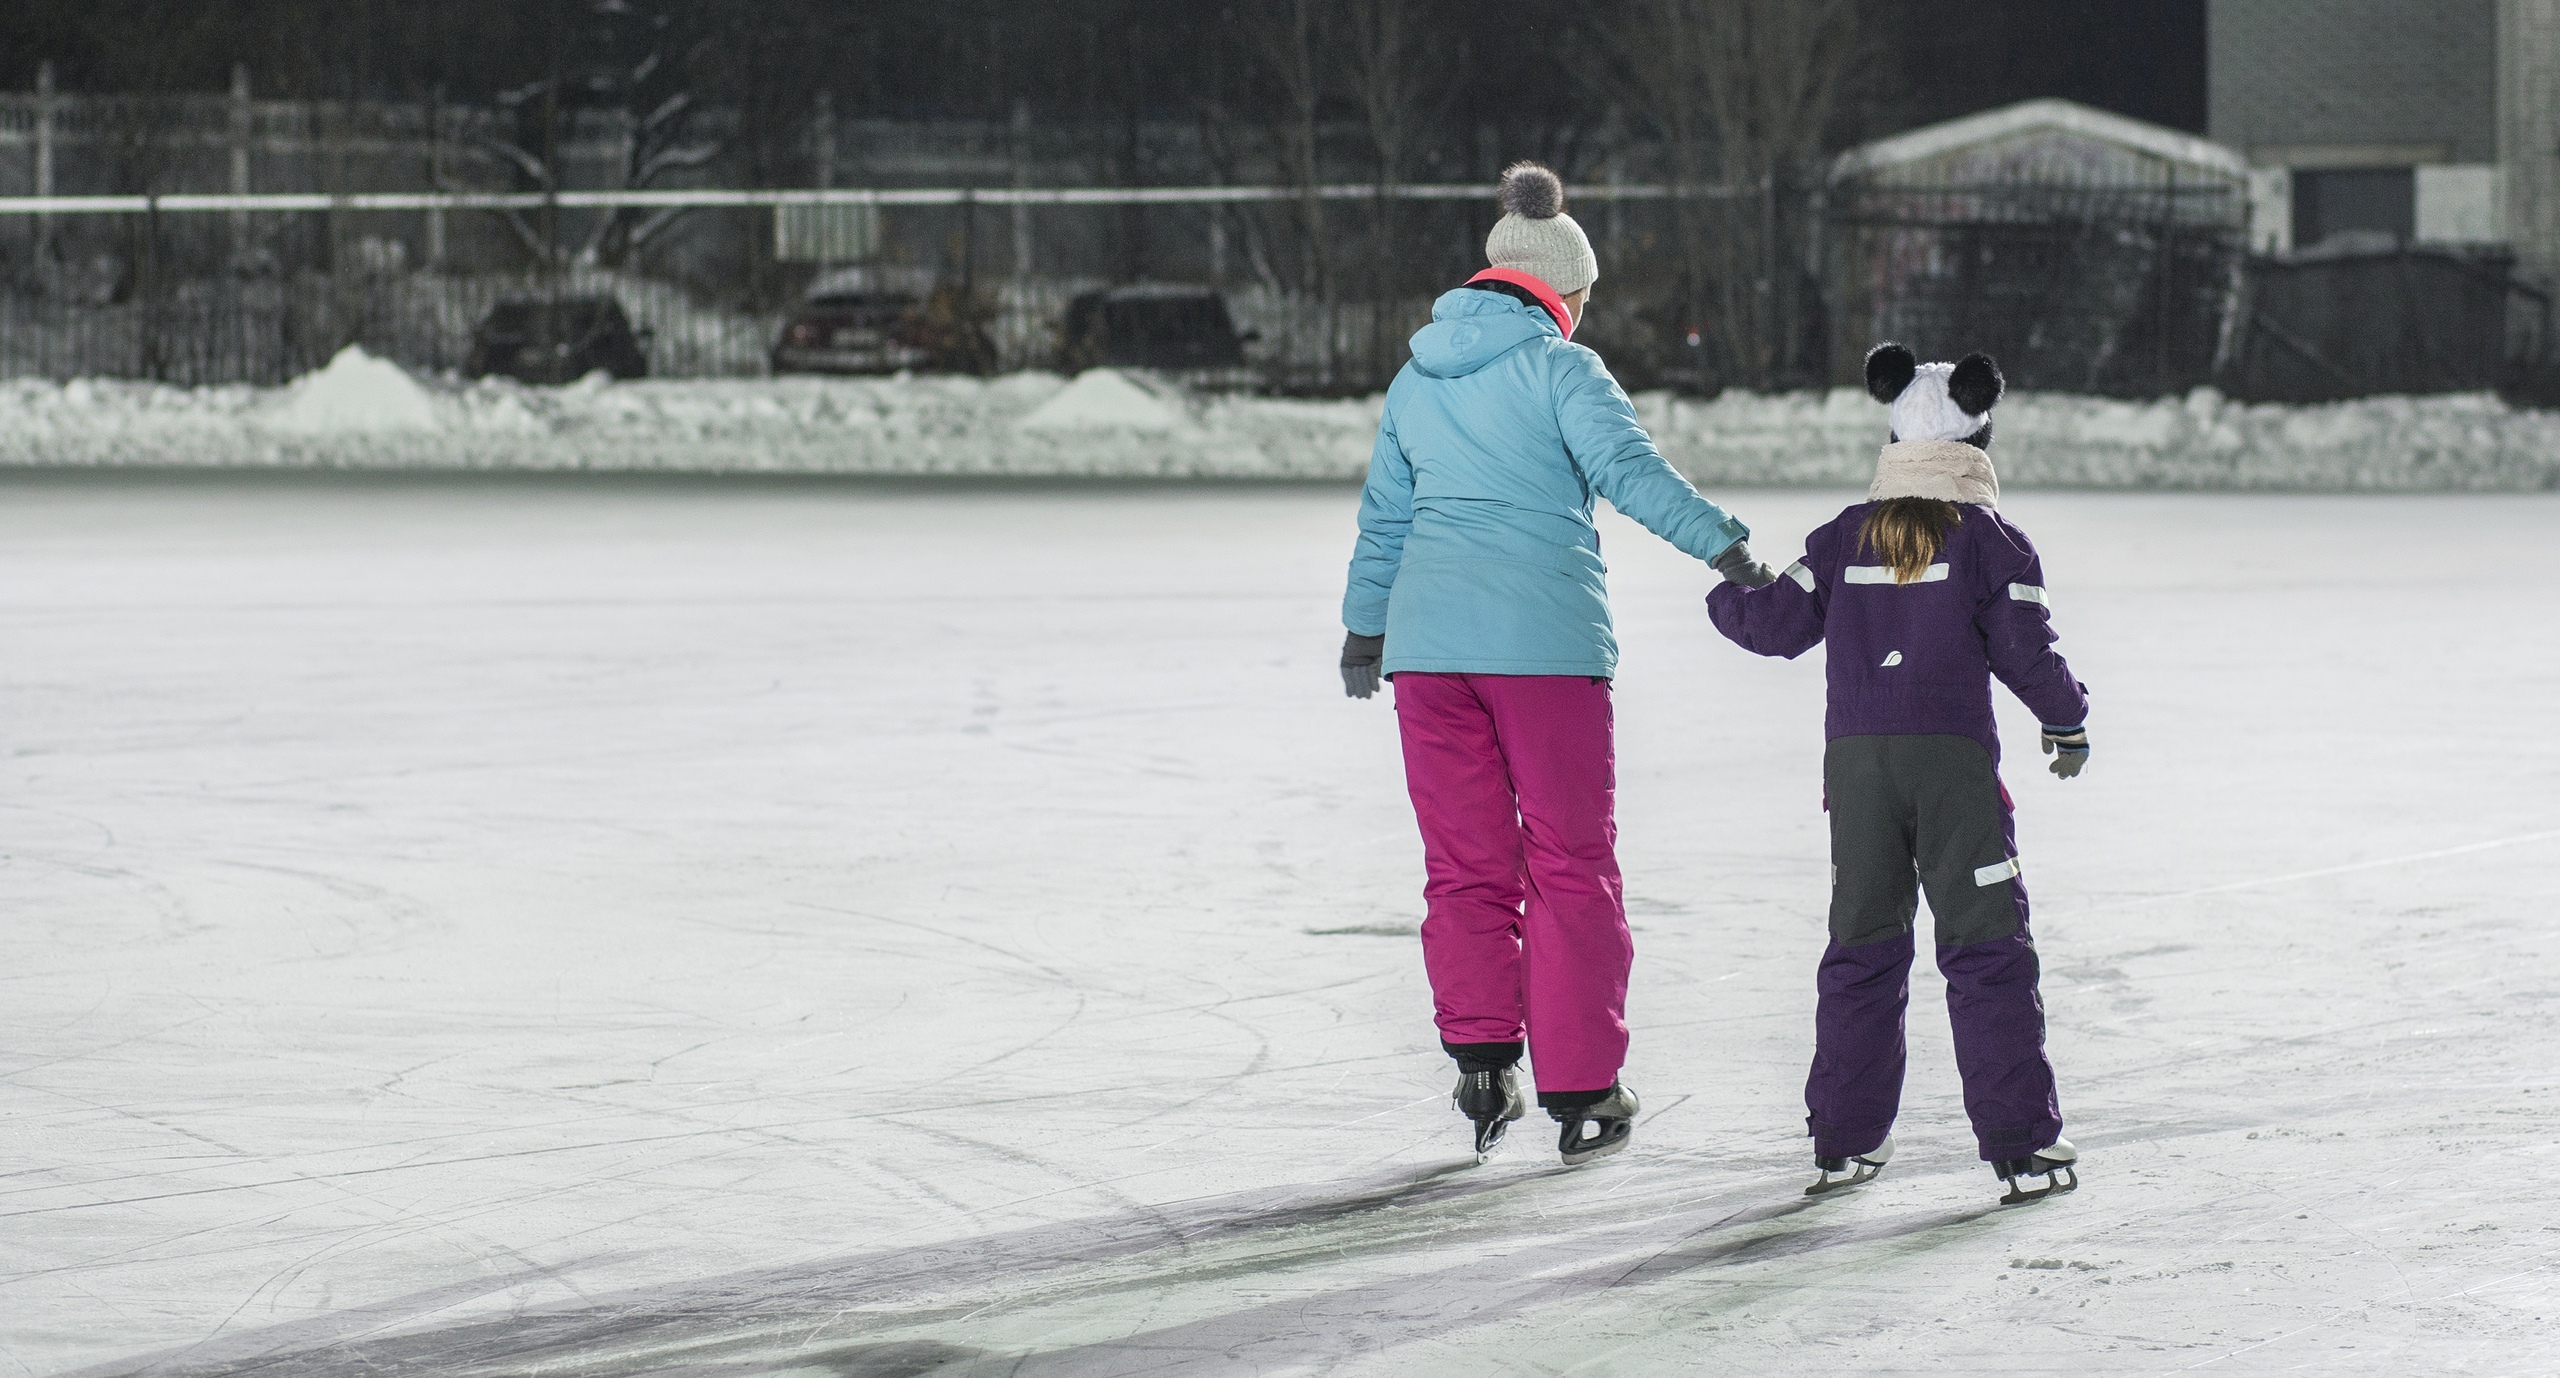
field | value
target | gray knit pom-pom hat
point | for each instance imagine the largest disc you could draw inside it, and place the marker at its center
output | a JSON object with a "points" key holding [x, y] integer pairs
{"points": [[1535, 236]]}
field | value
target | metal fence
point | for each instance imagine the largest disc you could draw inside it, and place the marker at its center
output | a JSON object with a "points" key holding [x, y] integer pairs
{"points": [[267, 330], [2124, 291], [219, 288], [2129, 291]]}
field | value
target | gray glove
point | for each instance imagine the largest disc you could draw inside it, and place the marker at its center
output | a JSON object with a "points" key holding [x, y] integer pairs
{"points": [[1360, 657], [2069, 748], [1739, 566]]}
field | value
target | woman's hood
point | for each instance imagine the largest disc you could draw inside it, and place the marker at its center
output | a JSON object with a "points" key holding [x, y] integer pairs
{"points": [[1471, 328]]}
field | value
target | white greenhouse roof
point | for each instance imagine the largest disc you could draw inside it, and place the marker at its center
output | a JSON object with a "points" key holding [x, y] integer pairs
{"points": [[2060, 116]]}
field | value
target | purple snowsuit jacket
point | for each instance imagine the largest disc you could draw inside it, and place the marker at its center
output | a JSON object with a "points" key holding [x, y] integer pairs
{"points": [[1914, 659]]}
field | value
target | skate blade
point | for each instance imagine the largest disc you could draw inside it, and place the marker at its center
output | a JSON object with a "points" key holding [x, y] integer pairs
{"points": [[1576, 1157], [2060, 1180], [1863, 1174], [1489, 1134]]}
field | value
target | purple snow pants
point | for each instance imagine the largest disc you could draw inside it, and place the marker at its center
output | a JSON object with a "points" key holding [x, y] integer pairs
{"points": [[1913, 813], [1513, 780]]}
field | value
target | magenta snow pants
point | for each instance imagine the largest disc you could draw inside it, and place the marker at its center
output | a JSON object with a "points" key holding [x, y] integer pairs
{"points": [[1513, 780]]}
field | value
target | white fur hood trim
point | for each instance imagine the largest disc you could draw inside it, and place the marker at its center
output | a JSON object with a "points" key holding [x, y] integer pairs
{"points": [[1948, 470]]}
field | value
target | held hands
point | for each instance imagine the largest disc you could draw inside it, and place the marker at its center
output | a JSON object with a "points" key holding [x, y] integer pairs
{"points": [[1739, 566], [1360, 657], [2069, 748]]}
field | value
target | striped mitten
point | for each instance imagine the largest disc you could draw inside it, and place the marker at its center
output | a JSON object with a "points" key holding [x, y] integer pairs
{"points": [[2069, 748]]}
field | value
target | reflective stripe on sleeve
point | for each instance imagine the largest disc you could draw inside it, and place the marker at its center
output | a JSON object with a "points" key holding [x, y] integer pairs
{"points": [[1883, 574], [2030, 593], [1802, 576], [1993, 875]]}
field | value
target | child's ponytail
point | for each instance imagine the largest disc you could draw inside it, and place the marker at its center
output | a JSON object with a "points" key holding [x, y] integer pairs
{"points": [[1908, 533]]}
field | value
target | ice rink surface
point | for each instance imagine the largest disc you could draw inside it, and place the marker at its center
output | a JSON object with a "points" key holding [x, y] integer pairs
{"points": [[602, 927]]}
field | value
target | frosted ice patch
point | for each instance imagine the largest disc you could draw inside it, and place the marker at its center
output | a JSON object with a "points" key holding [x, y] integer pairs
{"points": [[358, 392], [1102, 399]]}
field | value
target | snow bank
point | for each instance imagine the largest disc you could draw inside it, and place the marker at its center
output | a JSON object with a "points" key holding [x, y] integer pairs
{"points": [[1032, 424], [362, 412], [2203, 441]]}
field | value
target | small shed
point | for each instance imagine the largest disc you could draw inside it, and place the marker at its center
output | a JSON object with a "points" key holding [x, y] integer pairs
{"points": [[2087, 251]]}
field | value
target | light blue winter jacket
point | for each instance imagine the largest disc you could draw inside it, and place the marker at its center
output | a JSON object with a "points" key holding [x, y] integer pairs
{"points": [[1476, 552]]}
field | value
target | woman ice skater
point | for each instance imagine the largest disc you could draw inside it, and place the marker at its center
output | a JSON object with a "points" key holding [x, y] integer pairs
{"points": [[1477, 587], [1924, 593]]}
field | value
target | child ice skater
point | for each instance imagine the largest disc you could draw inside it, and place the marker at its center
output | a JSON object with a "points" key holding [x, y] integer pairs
{"points": [[1925, 592]]}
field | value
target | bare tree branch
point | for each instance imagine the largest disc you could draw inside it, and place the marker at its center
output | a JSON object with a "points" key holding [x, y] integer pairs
{"points": [[1742, 93]]}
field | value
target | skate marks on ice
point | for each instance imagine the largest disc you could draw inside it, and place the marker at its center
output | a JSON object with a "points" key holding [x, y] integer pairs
{"points": [[2315, 1111], [821, 1314], [1233, 1283], [2321, 873]]}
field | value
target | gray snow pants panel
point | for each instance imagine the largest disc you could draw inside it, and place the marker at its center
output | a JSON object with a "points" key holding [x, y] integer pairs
{"points": [[1918, 809]]}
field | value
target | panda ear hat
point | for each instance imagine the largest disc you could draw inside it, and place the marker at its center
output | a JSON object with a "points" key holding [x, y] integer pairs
{"points": [[1941, 426], [1975, 385], [1889, 370], [1935, 401]]}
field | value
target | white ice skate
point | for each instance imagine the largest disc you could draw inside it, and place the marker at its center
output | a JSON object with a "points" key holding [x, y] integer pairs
{"points": [[1596, 1130], [2058, 1165], [1840, 1174]]}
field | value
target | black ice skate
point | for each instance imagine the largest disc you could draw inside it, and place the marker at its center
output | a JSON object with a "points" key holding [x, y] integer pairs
{"points": [[1840, 1174], [1598, 1129], [1493, 1101], [2058, 1166]]}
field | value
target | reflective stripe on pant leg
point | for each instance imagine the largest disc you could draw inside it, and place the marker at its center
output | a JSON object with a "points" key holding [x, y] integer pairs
{"points": [[1556, 735], [1462, 800]]}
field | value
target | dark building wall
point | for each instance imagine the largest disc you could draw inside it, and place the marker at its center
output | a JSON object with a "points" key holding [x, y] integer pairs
{"points": [[2345, 74]]}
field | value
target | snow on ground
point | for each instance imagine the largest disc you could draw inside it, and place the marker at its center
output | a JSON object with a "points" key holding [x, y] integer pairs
{"points": [[363, 413], [493, 926]]}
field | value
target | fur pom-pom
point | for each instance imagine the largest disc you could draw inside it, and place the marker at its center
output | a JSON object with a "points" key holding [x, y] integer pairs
{"points": [[1889, 370], [1976, 384], [1531, 191]]}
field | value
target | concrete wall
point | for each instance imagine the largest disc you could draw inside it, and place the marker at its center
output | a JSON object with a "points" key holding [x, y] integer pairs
{"points": [[2529, 131], [2342, 83], [2319, 84]]}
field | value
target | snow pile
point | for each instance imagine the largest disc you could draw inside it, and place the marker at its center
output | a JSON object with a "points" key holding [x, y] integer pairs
{"points": [[362, 412], [1104, 399], [357, 392]]}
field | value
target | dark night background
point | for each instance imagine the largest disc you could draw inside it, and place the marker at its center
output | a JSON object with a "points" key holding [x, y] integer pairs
{"points": [[1070, 61]]}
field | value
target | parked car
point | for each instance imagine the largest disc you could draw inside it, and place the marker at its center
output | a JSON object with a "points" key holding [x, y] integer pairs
{"points": [[860, 320], [1169, 326], [557, 340]]}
